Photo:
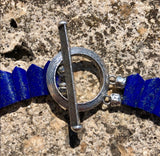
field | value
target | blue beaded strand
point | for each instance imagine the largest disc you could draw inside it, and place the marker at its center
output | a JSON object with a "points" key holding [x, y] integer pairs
{"points": [[21, 85], [142, 94]]}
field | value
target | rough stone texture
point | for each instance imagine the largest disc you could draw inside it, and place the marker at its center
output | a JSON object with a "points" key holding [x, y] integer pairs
{"points": [[126, 34]]}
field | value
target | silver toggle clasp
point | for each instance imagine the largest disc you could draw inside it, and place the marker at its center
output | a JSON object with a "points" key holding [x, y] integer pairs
{"points": [[63, 92]]}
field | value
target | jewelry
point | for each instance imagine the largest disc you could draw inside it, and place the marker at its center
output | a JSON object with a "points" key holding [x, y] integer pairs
{"points": [[21, 85]]}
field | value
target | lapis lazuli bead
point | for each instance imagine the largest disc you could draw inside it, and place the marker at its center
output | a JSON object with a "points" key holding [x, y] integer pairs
{"points": [[156, 110], [150, 95], [132, 91], [156, 100], [7, 90], [45, 81], [20, 81], [36, 81]]}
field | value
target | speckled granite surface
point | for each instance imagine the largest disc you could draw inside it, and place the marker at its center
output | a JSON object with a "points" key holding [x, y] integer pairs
{"points": [[126, 34]]}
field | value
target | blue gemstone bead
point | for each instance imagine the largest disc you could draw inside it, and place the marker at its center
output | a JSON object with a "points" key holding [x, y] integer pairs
{"points": [[156, 100], [132, 91], [149, 96], [20, 81], [45, 81], [156, 110], [7, 90], [36, 81]]}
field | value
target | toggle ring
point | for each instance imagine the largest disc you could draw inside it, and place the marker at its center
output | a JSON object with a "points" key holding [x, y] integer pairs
{"points": [[52, 80]]}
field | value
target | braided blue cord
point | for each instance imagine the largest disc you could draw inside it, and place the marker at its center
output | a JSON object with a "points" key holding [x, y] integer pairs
{"points": [[142, 94]]}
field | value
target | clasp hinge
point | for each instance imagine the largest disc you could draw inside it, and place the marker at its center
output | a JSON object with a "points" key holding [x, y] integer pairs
{"points": [[115, 83]]}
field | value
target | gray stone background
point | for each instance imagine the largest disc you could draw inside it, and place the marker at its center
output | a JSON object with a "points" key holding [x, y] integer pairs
{"points": [[126, 35]]}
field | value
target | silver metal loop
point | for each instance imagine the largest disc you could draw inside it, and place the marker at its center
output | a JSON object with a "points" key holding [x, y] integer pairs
{"points": [[52, 84], [109, 101], [112, 82], [117, 82], [114, 98]]}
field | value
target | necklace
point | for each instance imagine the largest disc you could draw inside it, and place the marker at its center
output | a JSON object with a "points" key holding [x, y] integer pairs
{"points": [[57, 80]]}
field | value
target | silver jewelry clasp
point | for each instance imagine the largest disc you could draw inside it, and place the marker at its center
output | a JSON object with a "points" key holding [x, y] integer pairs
{"points": [[63, 90]]}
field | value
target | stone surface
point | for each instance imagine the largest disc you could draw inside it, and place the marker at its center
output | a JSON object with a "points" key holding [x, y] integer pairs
{"points": [[126, 34]]}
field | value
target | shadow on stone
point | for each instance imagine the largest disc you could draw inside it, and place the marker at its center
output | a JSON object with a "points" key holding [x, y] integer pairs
{"points": [[14, 107], [62, 114], [138, 112], [74, 141], [13, 23], [20, 52]]}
